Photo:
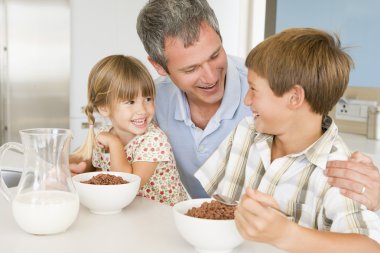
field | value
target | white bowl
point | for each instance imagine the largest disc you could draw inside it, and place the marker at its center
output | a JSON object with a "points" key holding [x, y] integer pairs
{"points": [[205, 235], [106, 199]]}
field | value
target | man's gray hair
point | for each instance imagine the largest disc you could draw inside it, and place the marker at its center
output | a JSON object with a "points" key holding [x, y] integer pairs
{"points": [[160, 19]]}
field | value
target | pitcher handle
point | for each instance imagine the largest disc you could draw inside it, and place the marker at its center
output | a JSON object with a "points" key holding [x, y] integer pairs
{"points": [[9, 145]]}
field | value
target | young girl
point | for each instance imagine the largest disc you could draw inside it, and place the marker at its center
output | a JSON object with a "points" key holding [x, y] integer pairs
{"points": [[121, 89]]}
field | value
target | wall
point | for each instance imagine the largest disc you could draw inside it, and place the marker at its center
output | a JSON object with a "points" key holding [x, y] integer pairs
{"points": [[360, 93], [100, 28], [356, 23]]}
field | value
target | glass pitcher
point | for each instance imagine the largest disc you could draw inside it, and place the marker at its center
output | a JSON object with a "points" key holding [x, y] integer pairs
{"points": [[45, 201]]}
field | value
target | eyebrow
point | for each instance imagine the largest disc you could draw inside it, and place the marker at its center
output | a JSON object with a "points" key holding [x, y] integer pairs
{"points": [[194, 65]]}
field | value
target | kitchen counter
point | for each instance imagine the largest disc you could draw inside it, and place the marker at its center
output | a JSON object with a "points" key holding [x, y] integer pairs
{"points": [[143, 226], [361, 143]]}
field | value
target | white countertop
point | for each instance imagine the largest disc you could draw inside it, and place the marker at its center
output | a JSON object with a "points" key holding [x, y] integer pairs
{"points": [[143, 226], [361, 143]]}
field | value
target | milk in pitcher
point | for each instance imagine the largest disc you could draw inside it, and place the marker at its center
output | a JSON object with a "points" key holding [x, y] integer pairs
{"points": [[45, 212]]}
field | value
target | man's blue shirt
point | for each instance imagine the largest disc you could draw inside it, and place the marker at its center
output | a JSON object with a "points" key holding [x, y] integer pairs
{"points": [[192, 145]]}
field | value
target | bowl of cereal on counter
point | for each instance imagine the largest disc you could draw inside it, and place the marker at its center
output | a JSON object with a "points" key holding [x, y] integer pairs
{"points": [[105, 192], [207, 224]]}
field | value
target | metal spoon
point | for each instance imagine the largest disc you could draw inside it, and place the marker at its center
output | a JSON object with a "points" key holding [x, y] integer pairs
{"points": [[231, 202]]}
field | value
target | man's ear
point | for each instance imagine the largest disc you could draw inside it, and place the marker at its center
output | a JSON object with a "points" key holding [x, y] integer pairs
{"points": [[296, 96], [160, 70], [104, 111]]}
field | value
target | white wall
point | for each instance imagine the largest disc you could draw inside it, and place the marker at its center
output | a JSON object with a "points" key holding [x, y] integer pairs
{"points": [[100, 28]]}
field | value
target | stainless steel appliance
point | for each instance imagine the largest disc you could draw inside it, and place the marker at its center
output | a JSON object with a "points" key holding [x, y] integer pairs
{"points": [[34, 65]]}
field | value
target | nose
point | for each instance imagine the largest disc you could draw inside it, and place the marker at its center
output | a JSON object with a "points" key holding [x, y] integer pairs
{"points": [[248, 98], [140, 108], [209, 74]]}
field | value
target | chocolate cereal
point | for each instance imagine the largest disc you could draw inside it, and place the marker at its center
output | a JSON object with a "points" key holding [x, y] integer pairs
{"points": [[105, 179], [213, 210]]}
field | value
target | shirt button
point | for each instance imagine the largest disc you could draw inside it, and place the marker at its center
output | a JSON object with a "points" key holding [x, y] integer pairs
{"points": [[201, 148]]}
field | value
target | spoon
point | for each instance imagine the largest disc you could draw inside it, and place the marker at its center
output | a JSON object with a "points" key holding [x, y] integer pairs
{"points": [[231, 202]]}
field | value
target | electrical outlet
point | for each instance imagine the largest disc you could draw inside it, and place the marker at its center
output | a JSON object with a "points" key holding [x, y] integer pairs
{"points": [[353, 109]]}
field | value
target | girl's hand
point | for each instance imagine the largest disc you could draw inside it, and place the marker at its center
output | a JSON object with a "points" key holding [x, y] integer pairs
{"points": [[257, 221], [78, 168], [104, 140], [358, 178]]}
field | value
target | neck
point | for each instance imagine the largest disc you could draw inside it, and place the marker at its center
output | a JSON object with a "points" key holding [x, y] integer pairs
{"points": [[300, 136], [201, 113]]}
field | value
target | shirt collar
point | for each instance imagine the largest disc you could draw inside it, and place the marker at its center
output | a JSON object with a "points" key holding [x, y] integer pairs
{"points": [[229, 103], [318, 152]]}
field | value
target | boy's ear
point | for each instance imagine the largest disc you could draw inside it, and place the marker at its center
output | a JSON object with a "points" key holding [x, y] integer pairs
{"points": [[296, 96], [160, 70], [103, 110]]}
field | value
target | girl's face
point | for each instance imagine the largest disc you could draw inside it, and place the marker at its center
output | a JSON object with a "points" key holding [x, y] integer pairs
{"points": [[270, 111], [132, 117]]}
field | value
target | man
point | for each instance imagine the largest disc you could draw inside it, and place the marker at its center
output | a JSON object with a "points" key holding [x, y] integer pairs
{"points": [[184, 45], [201, 90]]}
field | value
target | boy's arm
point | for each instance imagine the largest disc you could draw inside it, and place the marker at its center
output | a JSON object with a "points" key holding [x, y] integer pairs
{"points": [[256, 221], [301, 239]]}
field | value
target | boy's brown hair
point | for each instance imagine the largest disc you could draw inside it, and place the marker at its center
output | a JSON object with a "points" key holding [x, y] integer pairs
{"points": [[308, 57]]}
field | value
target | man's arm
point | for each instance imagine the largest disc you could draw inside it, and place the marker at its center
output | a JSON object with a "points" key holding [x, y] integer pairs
{"points": [[358, 178]]}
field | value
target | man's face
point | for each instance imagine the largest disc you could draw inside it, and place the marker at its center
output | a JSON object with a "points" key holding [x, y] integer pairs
{"points": [[200, 69]]}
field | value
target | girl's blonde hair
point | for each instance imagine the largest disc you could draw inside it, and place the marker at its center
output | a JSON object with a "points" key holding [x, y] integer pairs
{"points": [[113, 79]]}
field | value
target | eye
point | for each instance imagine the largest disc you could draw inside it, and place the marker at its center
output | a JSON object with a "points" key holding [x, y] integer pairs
{"points": [[129, 102], [214, 56], [148, 99], [191, 70]]}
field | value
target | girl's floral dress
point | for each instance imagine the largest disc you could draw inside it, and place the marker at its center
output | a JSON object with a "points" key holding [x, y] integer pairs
{"points": [[164, 185]]}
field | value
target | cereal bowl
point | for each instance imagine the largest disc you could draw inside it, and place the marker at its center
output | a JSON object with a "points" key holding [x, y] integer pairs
{"points": [[205, 235], [106, 199]]}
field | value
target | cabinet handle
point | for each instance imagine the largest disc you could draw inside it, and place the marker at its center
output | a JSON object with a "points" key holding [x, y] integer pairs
{"points": [[86, 125]]}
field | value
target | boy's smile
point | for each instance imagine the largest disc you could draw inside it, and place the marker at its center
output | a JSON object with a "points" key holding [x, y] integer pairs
{"points": [[269, 110]]}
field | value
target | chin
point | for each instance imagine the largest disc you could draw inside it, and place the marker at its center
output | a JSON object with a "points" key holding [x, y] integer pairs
{"points": [[215, 98]]}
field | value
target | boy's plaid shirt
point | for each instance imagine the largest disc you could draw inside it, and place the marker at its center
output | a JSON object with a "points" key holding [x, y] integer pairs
{"points": [[296, 181]]}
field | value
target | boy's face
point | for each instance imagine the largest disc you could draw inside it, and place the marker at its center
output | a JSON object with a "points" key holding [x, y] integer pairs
{"points": [[270, 112]]}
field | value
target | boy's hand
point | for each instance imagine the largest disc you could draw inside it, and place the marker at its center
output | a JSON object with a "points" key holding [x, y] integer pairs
{"points": [[358, 178], [257, 221]]}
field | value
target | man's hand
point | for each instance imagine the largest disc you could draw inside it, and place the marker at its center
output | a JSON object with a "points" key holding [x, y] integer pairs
{"points": [[358, 178]]}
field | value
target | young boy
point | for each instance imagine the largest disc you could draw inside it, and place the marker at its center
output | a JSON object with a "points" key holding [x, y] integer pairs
{"points": [[295, 78]]}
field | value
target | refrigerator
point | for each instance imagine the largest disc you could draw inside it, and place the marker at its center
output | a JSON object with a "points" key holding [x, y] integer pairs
{"points": [[34, 65]]}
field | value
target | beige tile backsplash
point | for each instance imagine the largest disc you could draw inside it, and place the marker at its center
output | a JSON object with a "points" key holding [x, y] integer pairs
{"points": [[361, 93]]}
